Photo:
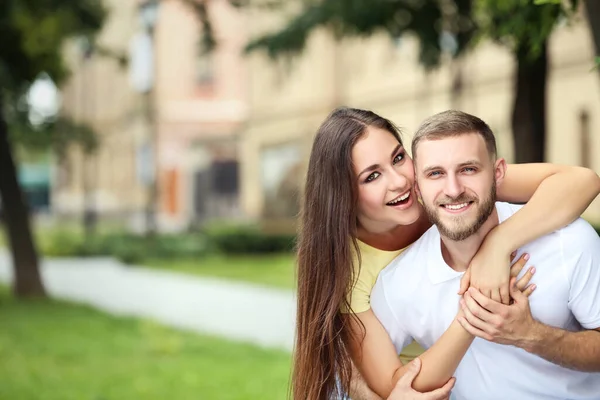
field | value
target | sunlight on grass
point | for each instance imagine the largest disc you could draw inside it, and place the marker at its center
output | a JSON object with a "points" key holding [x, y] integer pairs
{"points": [[57, 351], [271, 270]]}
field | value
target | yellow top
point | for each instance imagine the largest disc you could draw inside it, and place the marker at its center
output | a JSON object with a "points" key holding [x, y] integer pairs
{"points": [[372, 262]]}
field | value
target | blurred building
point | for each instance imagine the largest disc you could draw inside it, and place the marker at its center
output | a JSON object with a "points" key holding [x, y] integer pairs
{"points": [[288, 102], [200, 106]]}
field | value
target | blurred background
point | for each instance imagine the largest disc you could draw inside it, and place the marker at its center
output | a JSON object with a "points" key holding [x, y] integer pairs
{"points": [[152, 155]]}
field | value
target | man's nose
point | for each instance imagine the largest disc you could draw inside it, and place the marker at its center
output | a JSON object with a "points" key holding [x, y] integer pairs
{"points": [[454, 187]]}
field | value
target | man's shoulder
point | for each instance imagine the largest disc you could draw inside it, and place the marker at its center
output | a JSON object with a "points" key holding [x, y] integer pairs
{"points": [[579, 236]]}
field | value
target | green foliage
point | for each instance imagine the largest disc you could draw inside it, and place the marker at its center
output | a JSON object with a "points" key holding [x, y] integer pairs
{"points": [[522, 25], [129, 248], [132, 248], [33, 33], [53, 350], [247, 239], [427, 20], [56, 136]]}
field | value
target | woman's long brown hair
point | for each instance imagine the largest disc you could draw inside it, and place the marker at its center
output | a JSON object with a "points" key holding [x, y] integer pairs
{"points": [[325, 268]]}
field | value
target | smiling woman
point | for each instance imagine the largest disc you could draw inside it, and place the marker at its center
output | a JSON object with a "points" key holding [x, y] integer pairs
{"points": [[386, 197]]}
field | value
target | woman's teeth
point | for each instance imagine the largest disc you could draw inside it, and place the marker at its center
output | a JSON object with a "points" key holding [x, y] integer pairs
{"points": [[399, 199], [456, 206]]}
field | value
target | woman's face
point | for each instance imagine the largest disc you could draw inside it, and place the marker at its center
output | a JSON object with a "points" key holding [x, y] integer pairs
{"points": [[385, 179]]}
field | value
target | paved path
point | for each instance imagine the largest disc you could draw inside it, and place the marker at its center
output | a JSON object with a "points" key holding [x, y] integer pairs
{"points": [[260, 315]]}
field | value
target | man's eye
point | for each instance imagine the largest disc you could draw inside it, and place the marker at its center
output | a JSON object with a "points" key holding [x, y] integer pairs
{"points": [[435, 173], [399, 157], [469, 169], [373, 176]]}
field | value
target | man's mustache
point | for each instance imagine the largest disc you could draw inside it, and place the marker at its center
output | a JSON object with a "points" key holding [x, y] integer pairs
{"points": [[463, 198]]}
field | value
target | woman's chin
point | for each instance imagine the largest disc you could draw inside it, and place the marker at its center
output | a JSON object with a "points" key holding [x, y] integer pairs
{"points": [[408, 216]]}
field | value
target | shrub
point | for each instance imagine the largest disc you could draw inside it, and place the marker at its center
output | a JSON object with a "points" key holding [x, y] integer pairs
{"points": [[61, 244], [247, 239]]}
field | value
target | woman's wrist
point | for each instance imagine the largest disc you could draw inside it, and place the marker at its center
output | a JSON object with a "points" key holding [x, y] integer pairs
{"points": [[502, 239]]}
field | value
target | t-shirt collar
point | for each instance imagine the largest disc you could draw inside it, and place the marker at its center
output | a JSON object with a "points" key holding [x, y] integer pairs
{"points": [[437, 268]]}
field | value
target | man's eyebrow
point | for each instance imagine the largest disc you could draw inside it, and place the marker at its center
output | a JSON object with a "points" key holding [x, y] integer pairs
{"points": [[429, 168], [470, 162]]}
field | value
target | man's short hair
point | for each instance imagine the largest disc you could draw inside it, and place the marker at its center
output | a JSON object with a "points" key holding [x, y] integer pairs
{"points": [[454, 123]]}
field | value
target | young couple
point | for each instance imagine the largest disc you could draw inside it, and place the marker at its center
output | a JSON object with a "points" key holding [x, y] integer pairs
{"points": [[361, 211]]}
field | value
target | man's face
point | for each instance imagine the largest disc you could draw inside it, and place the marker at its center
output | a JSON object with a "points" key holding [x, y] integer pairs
{"points": [[457, 181]]}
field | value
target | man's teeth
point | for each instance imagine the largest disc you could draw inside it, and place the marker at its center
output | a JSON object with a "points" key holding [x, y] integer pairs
{"points": [[399, 199], [456, 206]]}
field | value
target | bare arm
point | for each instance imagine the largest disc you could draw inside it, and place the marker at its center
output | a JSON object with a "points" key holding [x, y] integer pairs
{"points": [[556, 195], [359, 390], [575, 350], [514, 325], [376, 358], [379, 364]]}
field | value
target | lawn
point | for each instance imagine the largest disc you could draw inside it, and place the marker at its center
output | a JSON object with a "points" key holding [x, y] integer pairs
{"points": [[271, 270], [58, 351]]}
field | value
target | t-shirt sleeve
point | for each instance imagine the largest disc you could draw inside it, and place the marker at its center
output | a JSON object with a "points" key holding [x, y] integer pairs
{"points": [[581, 259], [360, 294], [386, 315]]}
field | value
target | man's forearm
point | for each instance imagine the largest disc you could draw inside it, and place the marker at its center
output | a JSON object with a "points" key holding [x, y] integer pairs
{"points": [[574, 350]]}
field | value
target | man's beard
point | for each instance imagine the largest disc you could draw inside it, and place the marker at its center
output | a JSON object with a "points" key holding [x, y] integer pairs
{"points": [[459, 229]]}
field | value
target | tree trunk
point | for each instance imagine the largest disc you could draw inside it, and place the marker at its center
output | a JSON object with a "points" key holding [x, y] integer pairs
{"points": [[529, 108], [27, 280], [593, 17]]}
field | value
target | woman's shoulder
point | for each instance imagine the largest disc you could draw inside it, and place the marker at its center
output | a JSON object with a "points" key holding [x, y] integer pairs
{"points": [[372, 261]]}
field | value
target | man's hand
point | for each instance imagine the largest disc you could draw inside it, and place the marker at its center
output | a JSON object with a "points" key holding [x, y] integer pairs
{"points": [[404, 391], [496, 322]]}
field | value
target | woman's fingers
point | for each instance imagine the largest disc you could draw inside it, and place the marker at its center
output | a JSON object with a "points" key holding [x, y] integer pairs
{"points": [[529, 289], [524, 281], [516, 268]]}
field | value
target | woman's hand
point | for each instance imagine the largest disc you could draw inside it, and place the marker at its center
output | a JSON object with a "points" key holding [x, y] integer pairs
{"points": [[488, 270], [404, 391]]}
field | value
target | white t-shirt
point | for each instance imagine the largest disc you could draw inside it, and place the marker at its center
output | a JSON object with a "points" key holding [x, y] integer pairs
{"points": [[415, 297]]}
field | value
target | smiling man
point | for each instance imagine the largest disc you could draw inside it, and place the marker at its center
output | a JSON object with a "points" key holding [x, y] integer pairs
{"points": [[554, 336]]}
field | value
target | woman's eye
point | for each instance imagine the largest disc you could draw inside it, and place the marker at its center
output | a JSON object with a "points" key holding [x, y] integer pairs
{"points": [[373, 176], [399, 157]]}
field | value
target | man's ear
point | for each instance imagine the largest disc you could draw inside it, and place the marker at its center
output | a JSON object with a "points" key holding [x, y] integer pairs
{"points": [[417, 191], [499, 171]]}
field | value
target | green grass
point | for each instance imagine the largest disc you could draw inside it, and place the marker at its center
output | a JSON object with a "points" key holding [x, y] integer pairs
{"points": [[52, 350], [271, 270]]}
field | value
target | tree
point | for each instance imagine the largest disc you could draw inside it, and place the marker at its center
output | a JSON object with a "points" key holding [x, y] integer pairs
{"points": [[524, 27], [32, 32], [521, 25], [592, 8]]}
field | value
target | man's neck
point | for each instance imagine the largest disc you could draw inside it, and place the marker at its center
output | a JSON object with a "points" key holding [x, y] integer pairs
{"points": [[458, 254]]}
